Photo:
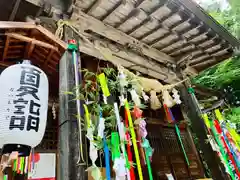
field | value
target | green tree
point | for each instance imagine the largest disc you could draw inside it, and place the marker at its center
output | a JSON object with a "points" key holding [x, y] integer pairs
{"points": [[225, 76]]}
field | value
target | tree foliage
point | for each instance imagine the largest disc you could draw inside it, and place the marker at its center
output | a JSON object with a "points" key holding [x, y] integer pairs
{"points": [[225, 75]]}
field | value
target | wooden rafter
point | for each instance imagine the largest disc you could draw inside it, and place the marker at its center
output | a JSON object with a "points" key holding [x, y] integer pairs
{"points": [[29, 49], [6, 48], [31, 40], [93, 6], [86, 22], [112, 10]]}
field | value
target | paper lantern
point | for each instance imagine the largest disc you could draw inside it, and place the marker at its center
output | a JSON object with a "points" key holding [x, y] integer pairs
{"points": [[23, 106]]}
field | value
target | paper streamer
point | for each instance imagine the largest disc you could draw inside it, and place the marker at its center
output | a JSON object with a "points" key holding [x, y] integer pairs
{"points": [[5, 177], [225, 159], [135, 147], [122, 139], [103, 83], [106, 153], [148, 153], [129, 151], [107, 159], [87, 115]]}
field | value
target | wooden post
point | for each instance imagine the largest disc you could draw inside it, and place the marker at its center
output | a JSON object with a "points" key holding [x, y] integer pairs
{"points": [[210, 156], [68, 128]]}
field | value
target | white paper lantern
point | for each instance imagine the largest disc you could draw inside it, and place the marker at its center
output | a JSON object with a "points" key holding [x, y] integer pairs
{"points": [[23, 105]]}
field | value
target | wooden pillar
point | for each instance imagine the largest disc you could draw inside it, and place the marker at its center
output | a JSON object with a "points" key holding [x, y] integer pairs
{"points": [[68, 128], [199, 129]]}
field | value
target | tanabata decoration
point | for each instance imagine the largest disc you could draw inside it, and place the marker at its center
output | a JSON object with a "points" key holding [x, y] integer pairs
{"points": [[129, 144], [121, 131], [223, 154], [25, 86], [103, 82], [118, 159], [154, 101], [176, 96], [133, 135], [151, 86], [146, 145]]}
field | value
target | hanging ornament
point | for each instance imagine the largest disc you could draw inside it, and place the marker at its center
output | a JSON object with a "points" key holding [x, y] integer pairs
{"points": [[154, 101], [121, 99], [142, 128], [122, 79], [167, 99], [176, 96], [137, 112], [135, 98], [119, 168], [101, 128], [145, 97]]}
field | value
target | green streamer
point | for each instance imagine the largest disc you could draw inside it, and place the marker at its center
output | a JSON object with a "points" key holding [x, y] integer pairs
{"points": [[15, 165], [181, 143], [5, 177], [115, 145], [221, 149], [148, 154]]}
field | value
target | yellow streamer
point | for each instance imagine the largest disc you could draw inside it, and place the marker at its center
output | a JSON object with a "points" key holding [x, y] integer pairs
{"points": [[235, 137], [218, 115], [134, 141], [87, 116], [206, 120], [103, 82]]}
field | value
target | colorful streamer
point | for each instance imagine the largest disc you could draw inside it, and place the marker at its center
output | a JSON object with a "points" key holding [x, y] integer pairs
{"points": [[142, 134], [5, 177], [107, 159], [225, 159], [135, 147], [122, 139], [106, 153], [129, 152], [172, 119]]}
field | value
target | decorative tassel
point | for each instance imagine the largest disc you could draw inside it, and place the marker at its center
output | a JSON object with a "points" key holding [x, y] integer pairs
{"points": [[154, 101], [167, 99], [176, 96]]}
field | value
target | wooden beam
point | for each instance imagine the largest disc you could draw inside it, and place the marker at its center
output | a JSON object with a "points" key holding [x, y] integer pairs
{"points": [[14, 11], [15, 25], [31, 40], [86, 22], [6, 48], [204, 63], [200, 59], [144, 22], [51, 36], [127, 59], [29, 49]]}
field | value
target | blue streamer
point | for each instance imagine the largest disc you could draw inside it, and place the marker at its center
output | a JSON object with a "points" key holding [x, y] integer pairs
{"points": [[232, 151], [106, 152]]}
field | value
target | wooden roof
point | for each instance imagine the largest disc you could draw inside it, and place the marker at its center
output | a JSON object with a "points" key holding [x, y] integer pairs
{"points": [[165, 31], [22, 40]]}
